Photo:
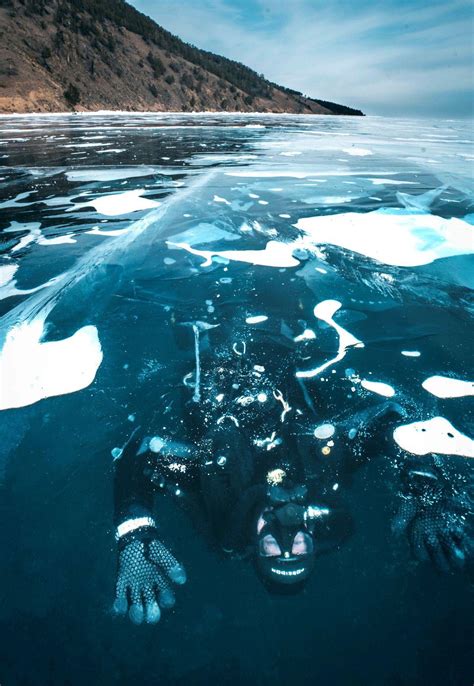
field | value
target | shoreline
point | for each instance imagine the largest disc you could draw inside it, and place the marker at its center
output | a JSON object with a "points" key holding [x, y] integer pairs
{"points": [[176, 112]]}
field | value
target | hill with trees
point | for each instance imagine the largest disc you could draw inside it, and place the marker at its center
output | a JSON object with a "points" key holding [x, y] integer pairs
{"points": [[92, 55]]}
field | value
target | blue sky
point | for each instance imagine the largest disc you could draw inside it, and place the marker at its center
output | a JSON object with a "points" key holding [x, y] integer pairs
{"points": [[389, 57]]}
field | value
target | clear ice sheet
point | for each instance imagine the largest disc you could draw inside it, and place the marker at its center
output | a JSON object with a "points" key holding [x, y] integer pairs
{"points": [[119, 230]]}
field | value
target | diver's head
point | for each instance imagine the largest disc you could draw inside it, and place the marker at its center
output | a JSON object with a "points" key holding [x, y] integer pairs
{"points": [[284, 547]]}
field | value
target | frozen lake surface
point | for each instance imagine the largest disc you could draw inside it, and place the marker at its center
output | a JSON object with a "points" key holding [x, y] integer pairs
{"points": [[352, 238]]}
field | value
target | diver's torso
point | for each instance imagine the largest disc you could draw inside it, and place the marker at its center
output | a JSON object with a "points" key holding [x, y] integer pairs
{"points": [[237, 399]]}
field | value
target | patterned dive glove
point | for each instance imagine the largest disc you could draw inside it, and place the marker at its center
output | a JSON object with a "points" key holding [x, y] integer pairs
{"points": [[438, 523], [145, 569]]}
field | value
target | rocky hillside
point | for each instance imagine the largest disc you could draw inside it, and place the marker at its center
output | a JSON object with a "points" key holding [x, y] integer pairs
{"points": [[58, 55]]}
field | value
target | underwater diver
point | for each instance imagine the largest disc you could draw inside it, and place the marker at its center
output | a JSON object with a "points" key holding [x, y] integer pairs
{"points": [[264, 461]]}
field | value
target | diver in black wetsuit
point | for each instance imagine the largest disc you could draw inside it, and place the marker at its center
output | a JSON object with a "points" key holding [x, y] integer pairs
{"points": [[266, 459]]}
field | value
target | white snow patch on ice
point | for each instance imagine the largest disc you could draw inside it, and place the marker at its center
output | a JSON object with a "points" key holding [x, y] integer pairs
{"points": [[282, 173], [357, 152], [436, 435], [8, 286], [275, 254], [395, 237], [295, 174], [31, 370], [391, 182], [108, 174], [447, 387], [115, 204], [378, 387], [325, 311], [85, 145], [334, 199], [57, 240], [97, 231], [256, 319], [111, 150], [33, 229], [217, 198], [307, 335], [7, 272]]}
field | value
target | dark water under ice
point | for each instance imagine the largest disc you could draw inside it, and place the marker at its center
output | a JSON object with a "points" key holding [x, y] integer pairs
{"points": [[117, 229]]}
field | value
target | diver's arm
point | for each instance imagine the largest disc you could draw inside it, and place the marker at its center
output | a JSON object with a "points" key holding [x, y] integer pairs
{"points": [[436, 513], [360, 438], [133, 493], [145, 462], [145, 565], [436, 509], [328, 517]]}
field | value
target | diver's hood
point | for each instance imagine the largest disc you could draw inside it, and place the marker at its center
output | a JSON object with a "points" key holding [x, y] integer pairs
{"points": [[293, 569], [285, 552]]}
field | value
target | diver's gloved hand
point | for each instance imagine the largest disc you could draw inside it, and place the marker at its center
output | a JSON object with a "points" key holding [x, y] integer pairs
{"points": [[145, 569], [438, 525]]}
